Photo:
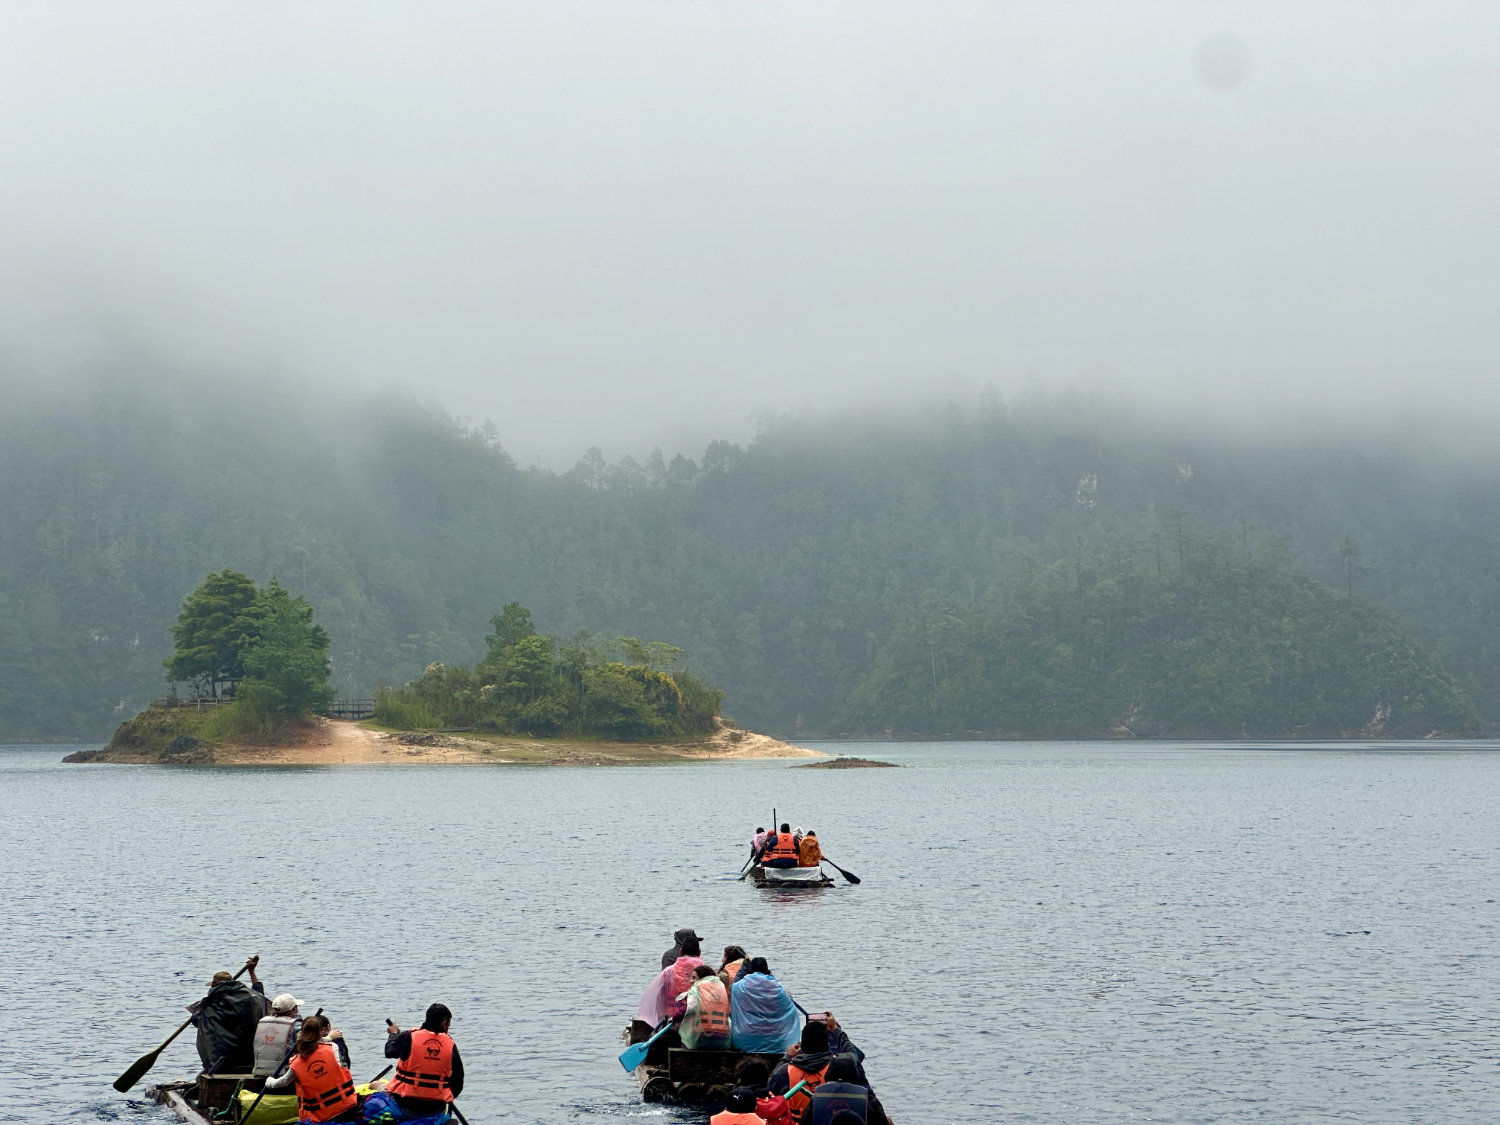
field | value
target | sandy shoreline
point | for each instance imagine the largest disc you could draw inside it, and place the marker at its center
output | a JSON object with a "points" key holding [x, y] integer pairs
{"points": [[336, 742]]}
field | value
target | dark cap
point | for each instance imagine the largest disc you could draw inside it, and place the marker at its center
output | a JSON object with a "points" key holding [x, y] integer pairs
{"points": [[741, 1100], [682, 935]]}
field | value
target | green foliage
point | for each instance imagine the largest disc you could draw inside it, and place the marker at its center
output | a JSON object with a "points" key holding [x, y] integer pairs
{"points": [[286, 663], [1229, 642], [263, 644], [528, 685], [401, 710], [212, 631]]}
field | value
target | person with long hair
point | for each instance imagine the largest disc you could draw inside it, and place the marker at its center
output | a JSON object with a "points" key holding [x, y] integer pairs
{"points": [[325, 1088]]}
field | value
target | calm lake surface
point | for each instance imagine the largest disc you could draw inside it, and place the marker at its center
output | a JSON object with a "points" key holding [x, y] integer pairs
{"points": [[1045, 932]]}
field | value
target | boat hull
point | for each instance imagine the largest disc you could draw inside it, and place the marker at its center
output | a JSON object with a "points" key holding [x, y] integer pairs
{"points": [[790, 877], [674, 1075]]}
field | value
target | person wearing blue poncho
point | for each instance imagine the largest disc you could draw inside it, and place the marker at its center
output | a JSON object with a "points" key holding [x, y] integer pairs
{"points": [[762, 1018]]}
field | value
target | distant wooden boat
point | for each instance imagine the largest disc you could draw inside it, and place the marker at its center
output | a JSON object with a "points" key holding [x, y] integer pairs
{"points": [[789, 877]]}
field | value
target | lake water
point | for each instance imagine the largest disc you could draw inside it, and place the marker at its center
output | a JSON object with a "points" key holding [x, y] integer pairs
{"points": [[1060, 933]]}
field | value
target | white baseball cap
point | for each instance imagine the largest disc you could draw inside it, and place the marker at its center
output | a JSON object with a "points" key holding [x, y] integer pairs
{"points": [[285, 1003]]}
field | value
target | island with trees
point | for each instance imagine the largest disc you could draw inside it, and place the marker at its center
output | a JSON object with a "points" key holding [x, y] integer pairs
{"points": [[257, 667]]}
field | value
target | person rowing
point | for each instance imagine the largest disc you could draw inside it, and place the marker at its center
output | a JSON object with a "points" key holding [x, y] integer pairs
{"points": [[226, 1020]]}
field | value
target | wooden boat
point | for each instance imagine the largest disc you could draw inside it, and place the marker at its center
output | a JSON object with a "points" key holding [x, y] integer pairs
{"points": [[198, 1102], [791, 877], [677, 1076], [209, 1100]]}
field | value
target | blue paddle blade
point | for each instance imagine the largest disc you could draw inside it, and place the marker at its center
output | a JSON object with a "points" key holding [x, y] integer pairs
{"points": [[633, 1055]]}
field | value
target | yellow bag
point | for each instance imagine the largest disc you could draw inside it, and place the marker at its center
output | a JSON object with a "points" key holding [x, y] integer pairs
{"points": [[274, 1109]]}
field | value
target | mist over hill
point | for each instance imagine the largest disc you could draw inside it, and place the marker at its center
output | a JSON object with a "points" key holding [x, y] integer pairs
{"points": [[1061, 567]]}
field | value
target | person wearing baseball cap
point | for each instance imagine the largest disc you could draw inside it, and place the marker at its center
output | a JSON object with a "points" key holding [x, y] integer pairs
{"points": [[226, 1019], [276, 1034], [670, 956]]}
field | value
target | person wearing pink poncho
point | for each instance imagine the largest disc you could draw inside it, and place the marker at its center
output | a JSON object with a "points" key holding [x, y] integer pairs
{"points": [[661, 999]]}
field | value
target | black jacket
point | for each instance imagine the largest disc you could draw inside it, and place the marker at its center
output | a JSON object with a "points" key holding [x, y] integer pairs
{"points": [[847, 1064], [226, 1020], [675, 952]]}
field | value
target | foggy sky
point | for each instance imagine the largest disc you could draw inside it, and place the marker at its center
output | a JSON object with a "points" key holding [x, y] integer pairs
{"points": [[624, 224]]}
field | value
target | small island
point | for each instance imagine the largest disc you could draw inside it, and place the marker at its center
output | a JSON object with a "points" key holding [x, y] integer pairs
{"points": [[259, 666], [843, 763]]}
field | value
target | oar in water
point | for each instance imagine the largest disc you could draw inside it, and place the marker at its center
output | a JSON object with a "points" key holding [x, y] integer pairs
{"points": [[635, 1054], [749, 863], [379, 1076], [286, 1062], [148, 1060], [458, 1113], [853, 878]]}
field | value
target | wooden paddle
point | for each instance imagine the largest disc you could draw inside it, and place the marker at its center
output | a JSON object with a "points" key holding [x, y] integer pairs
{"points": [[148, 1060], [635, 1054], [853, 878]]}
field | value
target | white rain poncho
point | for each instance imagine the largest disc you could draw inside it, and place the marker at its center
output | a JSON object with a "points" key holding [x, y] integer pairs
{"points": [[762, 1018]]}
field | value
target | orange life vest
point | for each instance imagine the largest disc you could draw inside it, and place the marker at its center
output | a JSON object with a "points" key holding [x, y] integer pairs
{"points": [[783, 846], [324, 1088], [425, 1071], [810, 854], [798, 1102], [727, 1118], [726, 974], [713, 1009]]}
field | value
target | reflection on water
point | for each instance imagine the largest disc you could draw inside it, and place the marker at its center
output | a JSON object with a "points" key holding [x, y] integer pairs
{"points": [[1051, 933]]}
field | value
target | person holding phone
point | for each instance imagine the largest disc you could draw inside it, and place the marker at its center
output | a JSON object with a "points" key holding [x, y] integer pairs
{"points": [[430, 1073]]}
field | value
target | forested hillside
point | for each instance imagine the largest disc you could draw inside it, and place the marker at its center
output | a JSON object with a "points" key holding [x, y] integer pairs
{"points": [[1052, 569]]}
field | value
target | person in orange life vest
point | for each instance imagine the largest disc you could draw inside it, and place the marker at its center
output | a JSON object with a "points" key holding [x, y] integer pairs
{"points": [[325, 1088], [770, 1108], [729, 968], [809, 852], [822, 1039], [430, 1074], [739, 1110], [680, 979], [758, 841], [705, 1024], [780, 849]]}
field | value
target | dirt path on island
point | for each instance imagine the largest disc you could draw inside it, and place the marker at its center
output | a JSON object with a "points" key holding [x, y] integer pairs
{"points": [[334, 742]]}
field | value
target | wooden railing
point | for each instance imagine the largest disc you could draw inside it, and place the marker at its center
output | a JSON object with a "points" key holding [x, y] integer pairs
{"points": [[351, 709]]}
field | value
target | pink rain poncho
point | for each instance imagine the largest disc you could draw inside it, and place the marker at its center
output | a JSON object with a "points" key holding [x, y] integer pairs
{"points": [[762, 1019], [653, 1006], [679, 981], [660, 1000]]}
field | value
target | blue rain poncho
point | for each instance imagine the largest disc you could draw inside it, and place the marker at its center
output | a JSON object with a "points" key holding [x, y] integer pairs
{"points": [[762, 1018]]}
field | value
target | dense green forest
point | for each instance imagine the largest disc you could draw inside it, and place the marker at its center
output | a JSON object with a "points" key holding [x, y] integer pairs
{"points": [[528, 683], [1055, 568]]}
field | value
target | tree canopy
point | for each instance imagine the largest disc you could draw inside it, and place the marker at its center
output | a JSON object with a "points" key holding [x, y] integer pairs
{"points": [[261, 646], [212, 631], [530, 684]]}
